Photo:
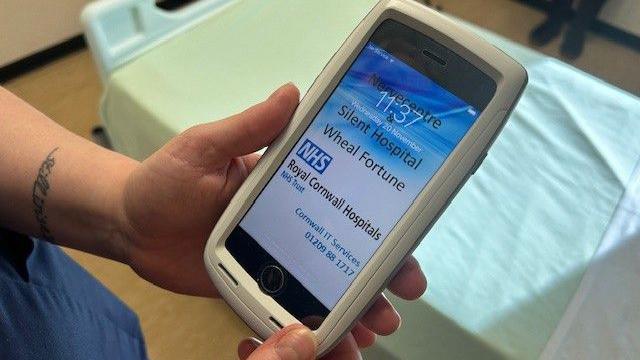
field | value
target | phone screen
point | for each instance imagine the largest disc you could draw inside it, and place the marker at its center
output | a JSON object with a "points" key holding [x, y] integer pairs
{"points": [[377, 141]]}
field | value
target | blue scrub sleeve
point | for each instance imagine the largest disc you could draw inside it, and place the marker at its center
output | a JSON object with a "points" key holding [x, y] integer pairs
{"points": [[51, 308]]}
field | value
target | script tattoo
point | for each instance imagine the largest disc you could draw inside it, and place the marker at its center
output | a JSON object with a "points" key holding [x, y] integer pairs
{"points": [[40, 189]]}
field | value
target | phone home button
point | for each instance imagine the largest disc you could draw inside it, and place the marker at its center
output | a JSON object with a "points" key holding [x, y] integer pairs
{"points": [[271, 279]]}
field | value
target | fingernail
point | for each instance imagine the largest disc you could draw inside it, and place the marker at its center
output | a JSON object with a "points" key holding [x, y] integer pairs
{"points": [[298, 344], [280, 89]]}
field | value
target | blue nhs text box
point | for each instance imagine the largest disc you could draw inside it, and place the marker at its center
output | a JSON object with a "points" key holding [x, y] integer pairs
{"points": [[314, 156]]}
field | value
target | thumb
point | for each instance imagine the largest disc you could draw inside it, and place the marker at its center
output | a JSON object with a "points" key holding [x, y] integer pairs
{"points": [[294, 342], [243, 133], [257, 126]]}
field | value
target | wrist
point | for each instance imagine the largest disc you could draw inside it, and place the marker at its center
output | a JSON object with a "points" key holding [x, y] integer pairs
{"points": [[120, 233]]}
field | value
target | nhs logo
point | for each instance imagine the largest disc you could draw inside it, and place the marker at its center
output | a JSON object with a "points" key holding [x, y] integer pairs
{"points": [[314, 156]]}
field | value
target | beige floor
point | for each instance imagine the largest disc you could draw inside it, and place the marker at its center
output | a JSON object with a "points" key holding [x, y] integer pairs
{"points": [[180, 327]]}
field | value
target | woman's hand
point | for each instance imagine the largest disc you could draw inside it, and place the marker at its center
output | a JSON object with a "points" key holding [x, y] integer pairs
{"points": [[172, 200]]}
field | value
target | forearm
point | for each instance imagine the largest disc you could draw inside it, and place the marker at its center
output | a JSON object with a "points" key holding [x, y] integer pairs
{"points": [[57, 185]]}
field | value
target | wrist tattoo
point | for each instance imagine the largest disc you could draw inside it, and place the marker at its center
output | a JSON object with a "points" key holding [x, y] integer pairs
{"points": [[40, 189]]}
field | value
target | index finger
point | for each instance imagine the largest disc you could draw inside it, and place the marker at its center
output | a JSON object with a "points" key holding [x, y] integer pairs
{"points": [[409, 283]]}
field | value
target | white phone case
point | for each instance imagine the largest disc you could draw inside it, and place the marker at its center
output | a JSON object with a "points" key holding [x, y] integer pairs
{"points": [[241, 291]]}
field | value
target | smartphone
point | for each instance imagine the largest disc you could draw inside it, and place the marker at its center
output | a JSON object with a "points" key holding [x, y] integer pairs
{"points": [[390, 130]]}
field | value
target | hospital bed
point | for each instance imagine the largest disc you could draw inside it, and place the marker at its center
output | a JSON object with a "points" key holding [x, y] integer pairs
{"points": [[539, 254]]}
